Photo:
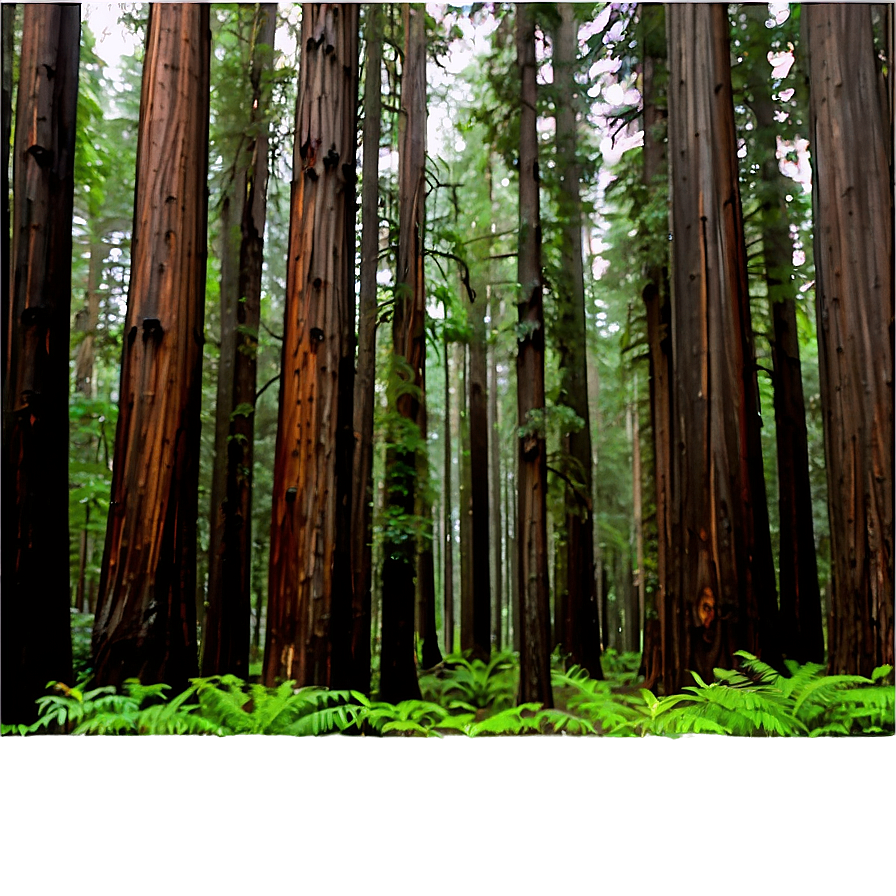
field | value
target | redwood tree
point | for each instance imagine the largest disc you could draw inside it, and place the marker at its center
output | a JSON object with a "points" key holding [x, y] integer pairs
{"points": [[853, 204], [802, 636], [225, 645], [310, 585], [146, 616], [36, 640], [531, 529], [725, 592], [398, 677], [578, 626], [362, 494]]}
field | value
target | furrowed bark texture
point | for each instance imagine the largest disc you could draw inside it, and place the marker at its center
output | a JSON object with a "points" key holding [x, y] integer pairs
{"points": [[362, 495], [36, 644], [146, 619], [659, 340], [310, 591], [479, 636], [398, 675], [853, 203], [495, 484], [535, 648], [718, 488], [579, 629], [227, 632], [802, 636]]}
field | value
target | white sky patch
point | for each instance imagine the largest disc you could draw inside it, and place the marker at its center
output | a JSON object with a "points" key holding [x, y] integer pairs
{"points": [[780, 63]]}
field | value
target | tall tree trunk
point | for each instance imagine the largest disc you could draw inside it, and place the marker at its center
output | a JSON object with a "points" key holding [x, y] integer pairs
{"points": [[637, 520], [477, 385], [146, 619], [8, 14], [802, 637], [579, 630], [227, 630], [398, 677], [310, 592], [535, 647], [448, 523], [853, 204], [726, 596], [497, 528], [660, 631], [464, 502], [430, 655], [365, 380], [36, 640]]}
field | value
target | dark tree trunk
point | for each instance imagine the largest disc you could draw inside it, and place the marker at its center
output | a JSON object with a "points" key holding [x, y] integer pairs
{"points": [[448, 521], [8, 26], [535, 613], [579, 629], [726, 594], [802, 637], [362, 496], [497, 528], [430, 655], [477, 384], [398, 675], [659, 340], [146, 620], [310, 592], [36, 639], [853, 205], [227, 630], [464, 502]]}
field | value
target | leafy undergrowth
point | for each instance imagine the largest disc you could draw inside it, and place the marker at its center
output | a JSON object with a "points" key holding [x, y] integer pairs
{"points": [[469, 697]]}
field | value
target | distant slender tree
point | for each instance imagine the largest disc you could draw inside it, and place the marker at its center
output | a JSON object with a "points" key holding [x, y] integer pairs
{"points": [[362, 495], [725, 594], [398, 678], [36, 638], [531, 530], [802, 635], [659, 334], [227, 628], [146, 617], [853, 205], [578, 627], [448, 518], [310, 589], [476, 636]]}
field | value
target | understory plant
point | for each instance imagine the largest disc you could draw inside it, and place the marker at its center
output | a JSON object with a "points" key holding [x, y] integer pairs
{"points": [[472, 698]]}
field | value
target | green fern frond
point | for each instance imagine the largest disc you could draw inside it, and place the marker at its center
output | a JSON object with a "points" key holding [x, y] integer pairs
{"points": [[508, 721], [556, 721]]}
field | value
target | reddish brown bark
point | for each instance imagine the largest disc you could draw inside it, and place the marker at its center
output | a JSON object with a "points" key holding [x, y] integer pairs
{"points": [[659, 631], [36, 641], [725, 596], [398, 678], [227, 632], [853, 204], [362, 495], [578, 628], [535, 648], [310, 591], [146, 619]]}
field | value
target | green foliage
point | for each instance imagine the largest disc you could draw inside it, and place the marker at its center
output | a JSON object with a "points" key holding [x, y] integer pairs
{"points": [[472, 684]]}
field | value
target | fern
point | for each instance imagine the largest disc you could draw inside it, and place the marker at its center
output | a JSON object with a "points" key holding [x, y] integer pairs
{"points": [[508, 721]]}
